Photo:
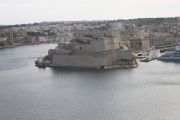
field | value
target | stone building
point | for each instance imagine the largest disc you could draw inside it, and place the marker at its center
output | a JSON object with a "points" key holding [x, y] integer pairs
{"points": [[139, 44], [139, 41], [3, 41], [92, 49]]}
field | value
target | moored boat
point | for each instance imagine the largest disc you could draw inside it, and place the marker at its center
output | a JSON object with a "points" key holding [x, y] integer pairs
{"points": [[171, 56]]}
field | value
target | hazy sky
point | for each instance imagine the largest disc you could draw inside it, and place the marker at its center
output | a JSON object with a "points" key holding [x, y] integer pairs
{"points": [[28, 11]]}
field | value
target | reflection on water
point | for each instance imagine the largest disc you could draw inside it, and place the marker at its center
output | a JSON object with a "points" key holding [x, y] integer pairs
{"points": [[150, 92], [59, 70], [168, 83]]}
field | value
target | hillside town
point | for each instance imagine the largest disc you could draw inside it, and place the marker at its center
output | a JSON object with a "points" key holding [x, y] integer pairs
{"points": [[138, 34]]}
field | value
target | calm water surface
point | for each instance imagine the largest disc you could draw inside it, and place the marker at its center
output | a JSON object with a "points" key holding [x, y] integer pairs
{"points": [[150, 92]]}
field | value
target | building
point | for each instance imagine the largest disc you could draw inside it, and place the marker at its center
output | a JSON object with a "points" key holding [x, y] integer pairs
{"points": [[91, 49]]}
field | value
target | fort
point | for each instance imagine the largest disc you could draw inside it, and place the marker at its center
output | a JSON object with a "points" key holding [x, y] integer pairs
{"points": [[90, 49]]}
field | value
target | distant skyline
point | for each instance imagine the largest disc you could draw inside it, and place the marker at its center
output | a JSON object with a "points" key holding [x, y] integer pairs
{"points": [[29, 11]]}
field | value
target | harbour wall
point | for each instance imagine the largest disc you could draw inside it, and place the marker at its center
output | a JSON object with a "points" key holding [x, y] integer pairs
{"points": [[102, 59]]}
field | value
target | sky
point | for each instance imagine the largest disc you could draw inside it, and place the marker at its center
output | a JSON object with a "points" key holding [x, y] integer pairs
{"points": [[29, 11]]}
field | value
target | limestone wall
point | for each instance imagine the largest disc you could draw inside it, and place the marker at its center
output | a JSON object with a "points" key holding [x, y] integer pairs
{"points": [[124, 55], [104, 44], [91, 60]]}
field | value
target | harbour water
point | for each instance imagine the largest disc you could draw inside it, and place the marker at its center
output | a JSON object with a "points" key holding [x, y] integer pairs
{"points": [[149, 92]]}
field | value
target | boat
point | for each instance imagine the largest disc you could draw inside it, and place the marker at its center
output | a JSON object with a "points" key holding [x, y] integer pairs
{"points": [[171, 55]]}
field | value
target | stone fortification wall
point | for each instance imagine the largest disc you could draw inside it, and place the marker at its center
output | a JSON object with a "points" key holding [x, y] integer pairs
{"points": [[95, 34], [104, 44], [91, 60]]}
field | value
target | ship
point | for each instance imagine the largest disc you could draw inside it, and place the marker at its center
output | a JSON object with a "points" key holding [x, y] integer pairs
{"points": [[171, 55], [90, 49]]}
